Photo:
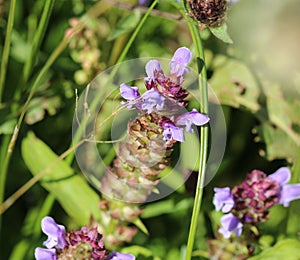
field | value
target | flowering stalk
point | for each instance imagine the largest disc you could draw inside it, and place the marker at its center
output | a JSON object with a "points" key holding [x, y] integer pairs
{"points": [[202, 82], [150, 137], [86, 243], [248, 203]]}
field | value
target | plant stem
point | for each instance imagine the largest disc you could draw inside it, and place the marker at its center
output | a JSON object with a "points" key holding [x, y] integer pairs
{"points": [[202, 81], [6, 49], [95, 11], [38, 37]]}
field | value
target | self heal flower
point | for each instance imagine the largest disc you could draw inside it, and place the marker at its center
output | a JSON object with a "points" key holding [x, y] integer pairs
{"points": [[119, 256], [172, 132], [56, 233], [189, 118], [45, 254], [129, 93], [223, 199], [287, 192], [152, 101], [230, 223], [254, 196], [179, 62], [153, 69]]}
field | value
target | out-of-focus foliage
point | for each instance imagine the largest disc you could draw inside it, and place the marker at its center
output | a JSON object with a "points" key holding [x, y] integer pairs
{"points": [[256, 80]]}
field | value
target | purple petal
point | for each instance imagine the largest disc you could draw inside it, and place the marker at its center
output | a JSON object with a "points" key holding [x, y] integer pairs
{"points": [[193, 117], [44, 254], [282, 175], [152, 100], [129, 93], [223, 199], [180, 60], [56, 233], [289, 193], [152, 66], [230, 223], [119, 256], [173, 132]]}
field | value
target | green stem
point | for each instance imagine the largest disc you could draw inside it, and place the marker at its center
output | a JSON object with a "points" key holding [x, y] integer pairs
{"points": [[93, 12], [202, 81], [38, 37], [6, 49]]}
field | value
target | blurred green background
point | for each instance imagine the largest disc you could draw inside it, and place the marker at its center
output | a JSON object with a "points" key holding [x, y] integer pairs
{"points": [[256, 80]]}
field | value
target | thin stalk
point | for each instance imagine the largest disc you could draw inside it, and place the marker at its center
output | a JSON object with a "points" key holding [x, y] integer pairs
{"points": [[6, 49], [202, 81], [4, 62], [38, 37], [136, 31], [95, 11]]}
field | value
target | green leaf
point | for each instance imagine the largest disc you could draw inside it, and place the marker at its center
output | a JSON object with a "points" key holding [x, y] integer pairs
{"points": [[20, 49], [234, 84], [38, 106], [139, 250], [126, 25], [284, 249], [221, 33], [166, 207], [140, 225], [72, 191], [274, 139], [8, 126]]}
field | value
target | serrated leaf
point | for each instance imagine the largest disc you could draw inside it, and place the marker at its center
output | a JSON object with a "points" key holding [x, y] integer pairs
{"points": [[221, 33], [73, 193], [284, 249], [126, 25]]}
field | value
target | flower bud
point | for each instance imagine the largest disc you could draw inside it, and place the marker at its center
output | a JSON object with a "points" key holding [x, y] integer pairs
{"points": [[208, 12]]}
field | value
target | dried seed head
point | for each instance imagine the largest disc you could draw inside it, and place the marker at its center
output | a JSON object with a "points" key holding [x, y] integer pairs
{"points": [[208, 12]]}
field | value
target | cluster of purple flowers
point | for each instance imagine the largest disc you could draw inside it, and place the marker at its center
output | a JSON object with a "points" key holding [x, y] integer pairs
{"points": [[248, 203], [61, 243], [165, 97]]}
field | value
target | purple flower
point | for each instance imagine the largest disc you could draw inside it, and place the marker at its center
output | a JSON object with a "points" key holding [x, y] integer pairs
{"points": [[223, 199], [56, 233], [152, 101], [172, 132], [229, 224], [288, 192], [193, 117], [153, 68], [129, 93], [179, 62], [45, 254], [119, 256]]}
